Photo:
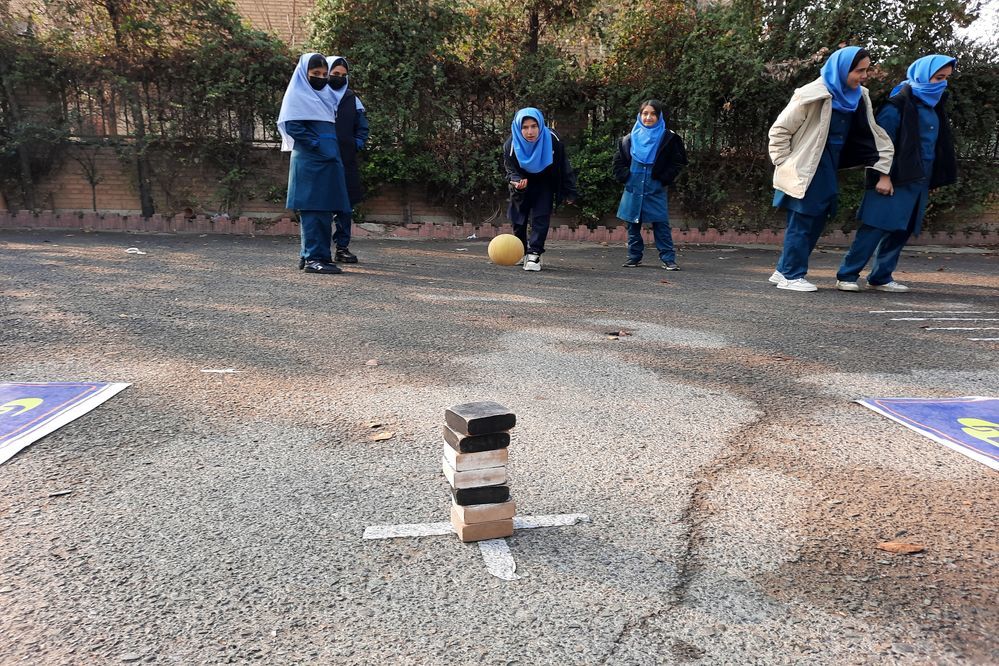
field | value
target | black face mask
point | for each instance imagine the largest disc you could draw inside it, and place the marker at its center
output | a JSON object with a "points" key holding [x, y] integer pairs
{"points": [[317, 82], [337, 81]]}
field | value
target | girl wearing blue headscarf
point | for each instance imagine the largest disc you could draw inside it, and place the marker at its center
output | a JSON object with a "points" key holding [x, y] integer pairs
{"points": [[539, 177], [647, 161], [915, 120], [316, 187], [828, 125]]}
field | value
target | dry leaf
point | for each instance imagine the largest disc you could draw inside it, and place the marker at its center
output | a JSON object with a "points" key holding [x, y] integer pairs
{"points": [[901, 548], [612, 337], [373, 424], [623, 333], [664, 282], [382, 436], [372, 362]]}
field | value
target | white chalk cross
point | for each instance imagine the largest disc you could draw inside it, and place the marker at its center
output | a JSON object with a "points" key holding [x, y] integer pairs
{"points": [[495, 552]]}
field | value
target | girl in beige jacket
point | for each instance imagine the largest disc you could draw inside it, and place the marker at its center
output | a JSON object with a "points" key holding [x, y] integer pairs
{"points": [[827, 125]]}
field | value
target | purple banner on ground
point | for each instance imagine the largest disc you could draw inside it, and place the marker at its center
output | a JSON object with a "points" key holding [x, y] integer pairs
{"points": [[969, 425], [29, 411]]}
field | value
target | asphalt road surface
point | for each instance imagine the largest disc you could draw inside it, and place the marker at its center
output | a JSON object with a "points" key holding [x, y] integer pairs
{"points": [[736, 494]]}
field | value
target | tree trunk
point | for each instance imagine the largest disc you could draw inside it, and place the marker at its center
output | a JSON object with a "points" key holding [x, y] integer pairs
{"points": [[533, 31], [23, 158], [141, 158]]}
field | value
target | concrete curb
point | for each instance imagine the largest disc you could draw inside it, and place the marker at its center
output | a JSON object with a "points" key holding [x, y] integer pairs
{"points": [[244, 226]]}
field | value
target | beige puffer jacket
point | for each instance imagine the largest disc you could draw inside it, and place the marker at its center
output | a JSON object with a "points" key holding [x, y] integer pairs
{"points": [[798, 137]]}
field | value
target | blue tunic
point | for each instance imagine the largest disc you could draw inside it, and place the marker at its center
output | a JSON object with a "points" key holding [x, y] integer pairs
{"points": [[908, 203], [644, 198], [315, 179], [822, 193]]}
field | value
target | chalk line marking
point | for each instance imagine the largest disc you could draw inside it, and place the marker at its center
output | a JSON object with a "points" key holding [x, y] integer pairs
{"points": [[932, 312], [937, 319], [961, 328], [495, 552], [498, 558], [985, 339]]}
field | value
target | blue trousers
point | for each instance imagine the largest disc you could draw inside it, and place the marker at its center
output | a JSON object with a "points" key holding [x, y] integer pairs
{"points": [[800, 238], [316, 227], [539, 232], [341, 235], [885, 246], [661, 232]]}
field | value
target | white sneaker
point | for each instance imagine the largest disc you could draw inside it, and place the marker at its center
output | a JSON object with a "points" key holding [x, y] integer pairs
{"points": [[843, 285], [800, 284], [532, 262], [891, 286], [775, 278]]}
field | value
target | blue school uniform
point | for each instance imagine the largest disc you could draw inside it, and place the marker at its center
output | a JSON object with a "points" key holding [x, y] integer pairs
{"points": [[316, 186], [806, 217], [645, 201], [889, 221]]}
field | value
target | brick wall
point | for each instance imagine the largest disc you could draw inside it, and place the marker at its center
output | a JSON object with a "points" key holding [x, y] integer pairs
{"points": [[282, 18]]}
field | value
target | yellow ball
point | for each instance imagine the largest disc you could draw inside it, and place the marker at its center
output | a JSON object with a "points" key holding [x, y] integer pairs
{"points": [[505, 250]]}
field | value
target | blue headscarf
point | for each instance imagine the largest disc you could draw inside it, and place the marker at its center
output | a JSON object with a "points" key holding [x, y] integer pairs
{"points": [[537, 156], [303, 102], [919, 74], [834, 73], [645, 140], [338, 93]]}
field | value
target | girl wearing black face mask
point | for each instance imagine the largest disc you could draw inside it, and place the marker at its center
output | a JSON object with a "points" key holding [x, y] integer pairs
{"points": [[315, 178], [352, 133]]}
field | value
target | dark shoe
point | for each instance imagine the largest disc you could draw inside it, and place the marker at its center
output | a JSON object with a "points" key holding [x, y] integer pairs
{"points": [[632, 263], [301, 263], [670, 266], [345, 256], [320, 267]]}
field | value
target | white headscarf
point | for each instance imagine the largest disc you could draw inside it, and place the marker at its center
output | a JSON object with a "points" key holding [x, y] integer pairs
{"points": [[303, 102]]}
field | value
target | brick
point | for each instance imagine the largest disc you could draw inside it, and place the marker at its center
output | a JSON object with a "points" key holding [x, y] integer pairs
{"points": [[496, 529], [464, 462], [479, 418], [483, 513], [474, 478], [481, 495], [476, 443]]}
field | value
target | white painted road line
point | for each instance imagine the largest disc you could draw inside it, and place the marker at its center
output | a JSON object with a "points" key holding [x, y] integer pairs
{"points": [[985, 339], [409, 530], [961, 312], [961, 328], [498, 558], [938, 319]]}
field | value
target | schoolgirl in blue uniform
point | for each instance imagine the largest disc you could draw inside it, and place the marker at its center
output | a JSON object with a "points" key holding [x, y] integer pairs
{"points": [[539, 177], [352, 133], [915, 120], [827, 125], [647, 161], [316, 186]]}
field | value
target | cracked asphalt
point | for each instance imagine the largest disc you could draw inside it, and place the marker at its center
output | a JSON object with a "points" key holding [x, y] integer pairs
{"points": [[736, 494]]}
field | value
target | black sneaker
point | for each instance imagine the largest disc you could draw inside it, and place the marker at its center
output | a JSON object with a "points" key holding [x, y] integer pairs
{"points": [[632, 263], [321, 267], [301, 263], [670, 266], [345, 256]]}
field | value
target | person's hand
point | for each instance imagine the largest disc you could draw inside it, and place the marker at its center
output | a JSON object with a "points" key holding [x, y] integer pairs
{"points": [[570, 202], [520, 184], [884, 185]]}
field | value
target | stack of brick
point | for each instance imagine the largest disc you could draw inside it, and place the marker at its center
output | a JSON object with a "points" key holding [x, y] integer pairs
{"points": [[477, 437]]}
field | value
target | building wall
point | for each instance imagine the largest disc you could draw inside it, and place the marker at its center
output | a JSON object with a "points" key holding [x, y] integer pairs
{"points": [[282, 18]]}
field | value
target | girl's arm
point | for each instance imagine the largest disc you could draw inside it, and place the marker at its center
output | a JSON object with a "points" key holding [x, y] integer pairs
{"points": [[570, 193], [788, 122], [677, 160], [622, 163], [511, 165], [361, 130], [303, 134]]}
